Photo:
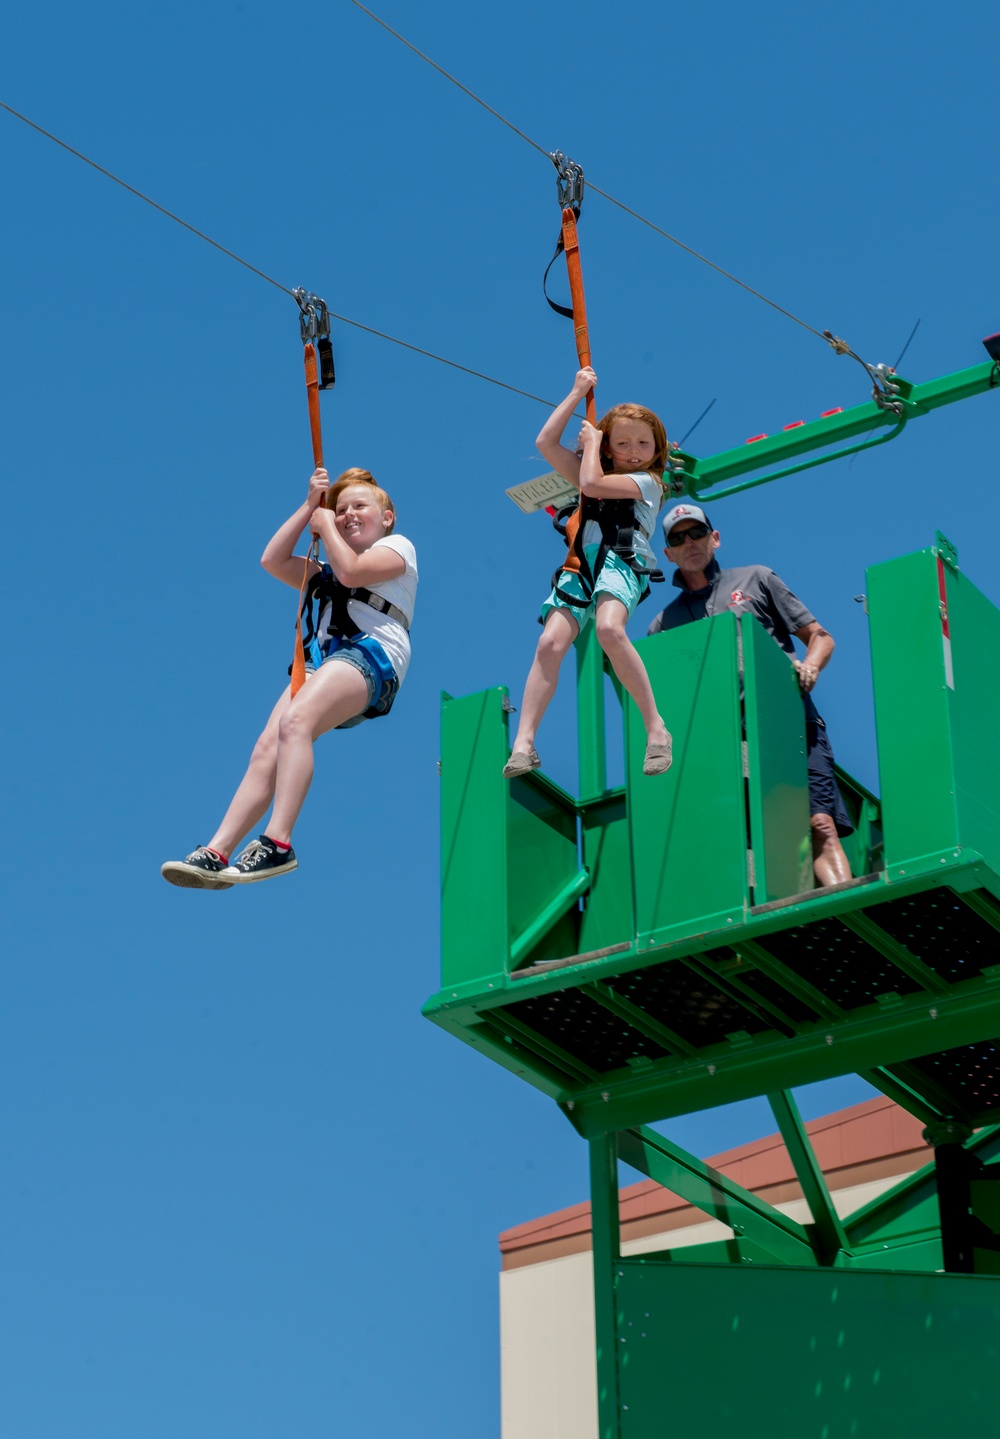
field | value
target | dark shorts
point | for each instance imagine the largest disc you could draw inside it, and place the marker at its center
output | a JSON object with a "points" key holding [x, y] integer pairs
{"points": [[824, 793]]}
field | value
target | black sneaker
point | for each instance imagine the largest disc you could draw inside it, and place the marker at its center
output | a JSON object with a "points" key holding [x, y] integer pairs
{"points": [[201, 870], [262, 859]]}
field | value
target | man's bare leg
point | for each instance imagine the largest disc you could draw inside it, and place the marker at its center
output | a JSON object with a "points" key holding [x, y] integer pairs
{"points": [[830, 864]]}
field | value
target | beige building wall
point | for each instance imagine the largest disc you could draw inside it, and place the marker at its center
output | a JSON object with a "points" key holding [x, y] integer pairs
{"points": [[548, 1374]]}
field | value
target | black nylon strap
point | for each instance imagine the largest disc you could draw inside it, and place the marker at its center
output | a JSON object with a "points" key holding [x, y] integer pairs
{"points": [[559, 309]]}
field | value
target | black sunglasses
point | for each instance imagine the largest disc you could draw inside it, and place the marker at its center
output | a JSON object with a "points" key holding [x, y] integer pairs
{"points": [[696, 532]]}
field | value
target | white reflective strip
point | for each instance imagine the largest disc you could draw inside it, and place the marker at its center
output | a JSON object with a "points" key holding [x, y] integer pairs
{"points": [[949, 673]]}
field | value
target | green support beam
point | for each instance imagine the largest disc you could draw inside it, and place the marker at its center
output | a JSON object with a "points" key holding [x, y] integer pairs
{"points": [[701, 477], [654, 1155], [606, 1244]]}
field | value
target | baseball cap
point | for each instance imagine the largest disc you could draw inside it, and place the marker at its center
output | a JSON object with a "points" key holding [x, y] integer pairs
{"points": [[683, 512]]}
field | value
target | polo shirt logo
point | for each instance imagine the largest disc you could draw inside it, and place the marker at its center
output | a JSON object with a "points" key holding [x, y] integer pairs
{"points": [[737, 597]]}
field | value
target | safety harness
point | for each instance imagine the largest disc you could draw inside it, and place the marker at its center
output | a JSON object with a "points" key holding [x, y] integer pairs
{"points": [[616, 518], [324, 588]]}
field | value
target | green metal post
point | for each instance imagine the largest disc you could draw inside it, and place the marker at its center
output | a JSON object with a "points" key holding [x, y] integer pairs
{"points": [[592, 755], [606, 1232]]}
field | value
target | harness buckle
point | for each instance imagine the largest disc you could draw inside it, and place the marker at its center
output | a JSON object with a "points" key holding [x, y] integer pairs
{"points": [[314, 327], [569, 182]]}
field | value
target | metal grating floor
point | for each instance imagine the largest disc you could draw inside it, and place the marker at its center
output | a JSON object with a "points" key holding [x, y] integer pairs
{"points": [[585, 1029], [839, 963], [722, 994], [687, 1003], [939, 929], [971, 1074]]}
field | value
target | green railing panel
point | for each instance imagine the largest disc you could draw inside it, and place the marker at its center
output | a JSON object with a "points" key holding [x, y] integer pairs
{"points": [[912, 713], [787, 1353], [937, 688], [777, 784], [975, 707], [688, 827], [474, 923]]}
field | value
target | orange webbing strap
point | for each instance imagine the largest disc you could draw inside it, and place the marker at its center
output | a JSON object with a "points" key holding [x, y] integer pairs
{"points": [[299, 657], [312, 395], [571, 245]]}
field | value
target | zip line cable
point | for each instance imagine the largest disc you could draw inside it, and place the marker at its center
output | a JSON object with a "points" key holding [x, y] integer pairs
{"points": [[344, 320], [597, 190]]}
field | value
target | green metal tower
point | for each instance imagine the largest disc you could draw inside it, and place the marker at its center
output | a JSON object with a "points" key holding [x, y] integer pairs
{"points": [[654, 949]]}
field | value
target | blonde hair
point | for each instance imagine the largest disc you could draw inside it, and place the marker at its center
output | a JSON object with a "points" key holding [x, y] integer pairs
{"points": [[636, 412], [360, 477]]}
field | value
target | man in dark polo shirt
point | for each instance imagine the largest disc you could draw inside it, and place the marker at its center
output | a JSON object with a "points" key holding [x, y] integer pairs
{"points": [[706, 590]]}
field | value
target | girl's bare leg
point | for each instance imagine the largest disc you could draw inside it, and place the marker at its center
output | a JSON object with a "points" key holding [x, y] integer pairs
{"points": [[558, 634], [336, 693], [256, 790], [610, 622]]}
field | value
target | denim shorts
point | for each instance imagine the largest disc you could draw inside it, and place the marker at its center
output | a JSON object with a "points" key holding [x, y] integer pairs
{"points": [[370, 660], [616, 579]]}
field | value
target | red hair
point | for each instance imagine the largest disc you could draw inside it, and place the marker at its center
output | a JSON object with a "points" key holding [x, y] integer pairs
{"points": [[636, 412], [360, 477]]}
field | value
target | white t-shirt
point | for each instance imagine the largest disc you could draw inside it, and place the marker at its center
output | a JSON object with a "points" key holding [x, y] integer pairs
{"points": [[647, 507], [401, 592]]}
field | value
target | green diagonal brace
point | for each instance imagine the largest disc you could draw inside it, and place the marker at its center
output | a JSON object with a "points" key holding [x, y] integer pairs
{"points": [[562, 901], [713, 1193], [829, 1230]]}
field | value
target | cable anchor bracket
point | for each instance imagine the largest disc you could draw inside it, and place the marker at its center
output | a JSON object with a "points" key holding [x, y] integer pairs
{"points": [[569, 182], [314, 327], [885, 391]]}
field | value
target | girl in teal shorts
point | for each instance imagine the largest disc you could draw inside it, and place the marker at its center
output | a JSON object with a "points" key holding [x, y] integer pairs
{"points": [[621, 459]]}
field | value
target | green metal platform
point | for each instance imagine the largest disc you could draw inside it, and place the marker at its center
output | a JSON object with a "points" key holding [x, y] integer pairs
{"points": [[656, 949]]}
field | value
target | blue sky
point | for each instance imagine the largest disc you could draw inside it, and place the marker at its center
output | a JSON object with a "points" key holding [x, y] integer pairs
{"points": [[247, 1189]]}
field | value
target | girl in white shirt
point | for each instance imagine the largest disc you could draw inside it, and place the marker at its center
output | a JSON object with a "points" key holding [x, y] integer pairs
{"points": [[357, 654]]}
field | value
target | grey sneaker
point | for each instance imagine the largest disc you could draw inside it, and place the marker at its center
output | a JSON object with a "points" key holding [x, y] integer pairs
{"points": [[201, 870], [262, 859]]}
